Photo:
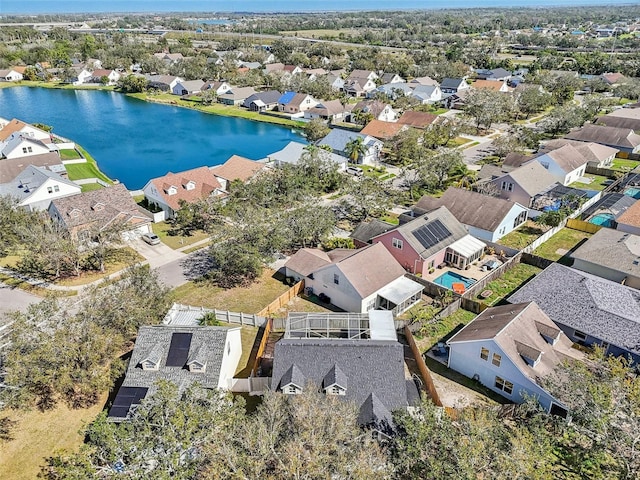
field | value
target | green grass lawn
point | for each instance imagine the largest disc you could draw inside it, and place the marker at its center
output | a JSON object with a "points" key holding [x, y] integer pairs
{"points": [[597, 183], [563, 242], [163, 230], [89, 187], [118, 259], [250, 299], [248, 337], [69, 154], [77, 171], [522, 236], [458, 142], [624, 165], [509, 282], [434, 331], [390, 217]]}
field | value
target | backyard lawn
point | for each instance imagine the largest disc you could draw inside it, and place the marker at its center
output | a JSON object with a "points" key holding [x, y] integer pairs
{"points": [[509, 282], [90, 187], [598, 182], [434, 331], [162, 229], [250, 299], [562, 243], [89, 169], [624, 165], [523, 236], [69, 154]]}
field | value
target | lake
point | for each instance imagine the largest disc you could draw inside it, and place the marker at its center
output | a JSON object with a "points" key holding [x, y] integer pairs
{"points": [[133, 140]]}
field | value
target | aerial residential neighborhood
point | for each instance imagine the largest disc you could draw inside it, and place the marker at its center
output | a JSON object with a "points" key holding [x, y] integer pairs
{"points": [[333, 244]]}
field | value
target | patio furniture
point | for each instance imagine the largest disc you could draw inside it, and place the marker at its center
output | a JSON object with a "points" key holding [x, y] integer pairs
{"points": [[486, 293], [458, 288]]}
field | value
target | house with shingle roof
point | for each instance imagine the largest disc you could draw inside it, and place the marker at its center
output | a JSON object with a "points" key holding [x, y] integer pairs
{"points": [[612, 254], [393, 90], [427, 93], [10, 75], [485, 217], [360, 82], [236, 168], [495, 86], [35, 187], [417, 119], [170, 190], [338, 139], [355, 280], [522, 184], [330, 110], [424, 81], [166, 83], [497, 74], [99, 209], [597, 155], [188, 87], [627, 118], [10, 168], [392, 78], [112, 75], [182, 355], [22, 145], [15, 126], [294, 151], [236, 96], [382, 130], [294, 103], [629, 220], [363, 365], [365, 231], [430, 240], [218, 87], [566, 163], [261, 101], [453, 85], [379, 110], [624, 139], [510, 349], [589, 309]]}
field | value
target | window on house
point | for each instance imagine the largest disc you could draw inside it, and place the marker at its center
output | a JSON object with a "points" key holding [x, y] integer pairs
{"points": [[545, 165], [56, 188], [397, 243], [290, 389], [579, 335], [504, 385], [496, 359], [49, 190], [520, 219], [432, 263], [371, 304], [336, 279], [484, 353], [335, 390], [24, 149], [29, 149]]}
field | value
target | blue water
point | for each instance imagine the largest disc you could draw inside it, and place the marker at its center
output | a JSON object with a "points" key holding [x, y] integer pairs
{"points": [[133, 140], [603, 219], [447, 279], [87, 6]]}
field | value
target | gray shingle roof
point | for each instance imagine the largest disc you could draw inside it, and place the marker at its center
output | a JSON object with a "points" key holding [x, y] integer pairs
{"points": [[11, 167], [611, 136], [601, 308], [370, 367], [365, 231], [612, 249], [293, 152], [338, 138], [532, 177], [269, 97], [31, 177]]}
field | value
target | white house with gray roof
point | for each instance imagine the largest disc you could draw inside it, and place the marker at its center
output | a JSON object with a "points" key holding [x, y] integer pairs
{"points": [[182, 355], [356, 357], [524, 183], [36, 187], [566, 163], [338, 139], [590, 310], [294, 151]]}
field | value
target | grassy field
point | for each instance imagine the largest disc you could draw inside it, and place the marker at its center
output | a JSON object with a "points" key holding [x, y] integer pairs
{"points": [[118, 260], [438, 330], [598, 182], [523, 236], [69, 154], [563, 242], [250, 299], [38, 435], [89, 169], [162, 229], [509, 282], [624, 165]]}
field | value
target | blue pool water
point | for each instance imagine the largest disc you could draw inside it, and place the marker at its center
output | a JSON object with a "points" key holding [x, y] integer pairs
{"points": [[447, 279], [604, 219], [633, 192]]}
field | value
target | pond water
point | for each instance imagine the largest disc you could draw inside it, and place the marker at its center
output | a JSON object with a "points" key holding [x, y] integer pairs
{"points": [[133, 140]]}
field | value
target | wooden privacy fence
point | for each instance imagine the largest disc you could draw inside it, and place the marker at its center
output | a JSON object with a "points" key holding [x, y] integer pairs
{"points": [[263, 344], [422, 367], [583, 226], [282, 300]]}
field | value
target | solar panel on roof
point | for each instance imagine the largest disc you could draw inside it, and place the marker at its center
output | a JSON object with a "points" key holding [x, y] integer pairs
{"points": [[431, 234], [179, 349], [126, 397]]}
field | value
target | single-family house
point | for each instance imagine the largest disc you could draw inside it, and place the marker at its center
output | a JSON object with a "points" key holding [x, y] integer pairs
{"points": [[624, 139], [359, 280], [612, 78], [393, 90], [236, 96], [169, 191], [589, 309], [165, 83], [627, 118], [22, 145], [362, 364], [15, 126], [366, 230], [274, 67], [294, 151], [597, 155], [329, 110], [382, 130], [493, 85], [169, 58], [188, 87], [510, 349], [336, 82], [218, 87], [612, 254], [35, 188], [566, 163], [292, 102], [183, 355], [262, 101], [608, 209], [522, 184], [424, 81], [98, 210], [10, 75], [82, 75], [455, 100], [10, 168], [392, 78], [97, 75], [497, 74], [378, 110], [431, 240], [420, 120], [236, 168], [629, 220], [360, 82], [338, 139], [453, 85], [485, 217], [427, 94]]}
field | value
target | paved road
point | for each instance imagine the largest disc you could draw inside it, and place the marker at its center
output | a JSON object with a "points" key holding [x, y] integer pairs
{"points": [[12, 299]]}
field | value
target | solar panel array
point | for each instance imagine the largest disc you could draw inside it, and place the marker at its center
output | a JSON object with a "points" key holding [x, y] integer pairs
{"points": [[179, 350], [126, 397], [431, 234]]}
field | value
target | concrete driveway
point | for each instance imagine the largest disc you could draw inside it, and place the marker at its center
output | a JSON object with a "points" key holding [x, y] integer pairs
{"points": [[156, 255]]}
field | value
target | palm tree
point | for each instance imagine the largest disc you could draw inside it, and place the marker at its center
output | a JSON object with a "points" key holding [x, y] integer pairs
{"points": [[355, 148]]}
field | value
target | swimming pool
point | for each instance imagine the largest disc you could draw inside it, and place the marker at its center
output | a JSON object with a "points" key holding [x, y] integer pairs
{"points": [[447, 279], [604, 219], [633, 192]]}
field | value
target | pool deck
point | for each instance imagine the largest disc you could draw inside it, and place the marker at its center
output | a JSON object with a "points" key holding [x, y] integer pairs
{"points": [[474, 271]]}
